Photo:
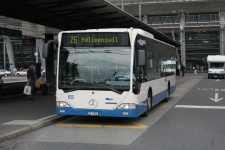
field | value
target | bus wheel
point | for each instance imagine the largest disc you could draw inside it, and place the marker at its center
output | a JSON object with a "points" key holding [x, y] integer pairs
{"points": [[167, 95], [149, 105]]}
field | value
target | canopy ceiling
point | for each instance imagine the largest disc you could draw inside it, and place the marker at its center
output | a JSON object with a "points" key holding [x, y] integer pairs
{"points": [[75, 15]]}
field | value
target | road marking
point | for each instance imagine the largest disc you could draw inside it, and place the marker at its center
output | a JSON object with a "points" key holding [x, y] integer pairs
{"points": [[200, 107], [131, 125], [47, 117], [216, 99]]}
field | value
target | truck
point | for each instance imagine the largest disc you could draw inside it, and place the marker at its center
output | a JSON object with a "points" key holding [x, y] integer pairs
{"points": [[216, 66]]}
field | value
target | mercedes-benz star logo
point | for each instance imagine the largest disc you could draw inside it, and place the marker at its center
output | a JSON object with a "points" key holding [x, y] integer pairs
{"points": [[93, 103]]}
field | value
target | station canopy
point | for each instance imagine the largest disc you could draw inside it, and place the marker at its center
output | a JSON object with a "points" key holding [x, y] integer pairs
{"points": [[76, 15]]}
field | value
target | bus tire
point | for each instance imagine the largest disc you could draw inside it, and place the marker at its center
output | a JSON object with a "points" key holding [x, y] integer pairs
{"points": [[149, 104], [167, 94]]}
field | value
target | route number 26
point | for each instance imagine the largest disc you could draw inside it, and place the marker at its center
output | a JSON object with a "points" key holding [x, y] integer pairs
{"points": [[73, 39]]}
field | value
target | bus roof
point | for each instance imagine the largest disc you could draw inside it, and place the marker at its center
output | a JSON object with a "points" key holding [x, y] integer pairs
{"points": [[216, 58]]}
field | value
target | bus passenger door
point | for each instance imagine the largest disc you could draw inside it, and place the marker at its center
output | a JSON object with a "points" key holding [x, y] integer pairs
{"points": [[140, 75]]}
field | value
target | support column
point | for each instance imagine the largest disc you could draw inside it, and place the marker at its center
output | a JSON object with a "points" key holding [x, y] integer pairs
{"points": [[10, 53], [139, 12], [39, 44], [222, 32], [145, 19], [176, 50], [4, 45], [122, 5], [50, 75], [182, 39]]}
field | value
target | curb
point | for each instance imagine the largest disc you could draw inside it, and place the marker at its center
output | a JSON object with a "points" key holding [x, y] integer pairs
{"points": [[33, 127]]}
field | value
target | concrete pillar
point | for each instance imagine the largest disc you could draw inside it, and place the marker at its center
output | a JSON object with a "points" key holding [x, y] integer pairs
{"points": [[176, 51], [182, 39], [39, 44], [139, 12], [10, 52], [122, 5], [145, 19], [222, 32]]}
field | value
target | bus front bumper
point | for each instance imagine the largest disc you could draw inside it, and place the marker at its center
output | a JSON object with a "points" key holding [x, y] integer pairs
{"points": [[216, 75], [128, 113]]}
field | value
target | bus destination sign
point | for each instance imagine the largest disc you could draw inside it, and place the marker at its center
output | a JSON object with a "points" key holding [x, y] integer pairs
{"points": [[95, 39]]}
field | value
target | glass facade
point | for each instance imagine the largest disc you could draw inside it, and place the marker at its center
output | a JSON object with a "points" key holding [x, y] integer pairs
{"points": [[24, 49], [199, 43], [198, 46], [190, 19]]}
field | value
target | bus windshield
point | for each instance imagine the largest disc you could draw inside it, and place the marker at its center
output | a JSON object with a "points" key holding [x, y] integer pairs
{"points": [[94, 68]]}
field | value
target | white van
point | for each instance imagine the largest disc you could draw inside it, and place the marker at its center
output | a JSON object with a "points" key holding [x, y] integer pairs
{"points": [[216, 65]]}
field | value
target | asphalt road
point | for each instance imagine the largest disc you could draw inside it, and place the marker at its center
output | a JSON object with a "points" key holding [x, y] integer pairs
{"points": [[192, 119]]}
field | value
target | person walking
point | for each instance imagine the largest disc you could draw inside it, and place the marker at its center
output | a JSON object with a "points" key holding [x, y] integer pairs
{"points": [[178, 69], [182, 69], [31, 80]]}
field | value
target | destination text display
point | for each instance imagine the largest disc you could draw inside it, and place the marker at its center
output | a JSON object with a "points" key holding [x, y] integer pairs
{"points": [[95, 39]]}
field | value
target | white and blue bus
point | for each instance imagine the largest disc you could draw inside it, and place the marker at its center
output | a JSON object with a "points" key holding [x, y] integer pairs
{"points": [[112, 72]]}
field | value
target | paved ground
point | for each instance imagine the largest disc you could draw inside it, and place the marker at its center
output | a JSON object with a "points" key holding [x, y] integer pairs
{"points": [[17, 112], [192, 119]]}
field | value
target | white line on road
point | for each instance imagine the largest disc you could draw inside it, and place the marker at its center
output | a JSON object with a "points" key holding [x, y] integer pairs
{"points": [[200, 107]]}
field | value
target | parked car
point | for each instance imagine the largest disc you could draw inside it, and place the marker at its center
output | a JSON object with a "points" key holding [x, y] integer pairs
{"points": [[21, 73], [5, 73]]}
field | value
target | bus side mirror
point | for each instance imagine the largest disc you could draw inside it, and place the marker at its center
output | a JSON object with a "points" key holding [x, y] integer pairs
{"points": [[46, 47], [141, 58]]}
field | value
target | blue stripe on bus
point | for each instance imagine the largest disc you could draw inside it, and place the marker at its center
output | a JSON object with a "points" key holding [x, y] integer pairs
{"points": [[161, 96], [131, 113]]}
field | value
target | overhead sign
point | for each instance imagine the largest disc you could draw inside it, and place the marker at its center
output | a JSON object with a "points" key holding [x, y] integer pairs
{"points": [[10, 32], [95, 39]]}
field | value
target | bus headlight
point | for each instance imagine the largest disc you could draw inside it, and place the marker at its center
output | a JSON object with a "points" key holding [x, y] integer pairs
{"points": [[127, 106], [62, 104]]}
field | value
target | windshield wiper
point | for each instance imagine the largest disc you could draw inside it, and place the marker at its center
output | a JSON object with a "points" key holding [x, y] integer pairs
{"points": [[92, 87], [69, 90], [114, 90], [102, 86]]}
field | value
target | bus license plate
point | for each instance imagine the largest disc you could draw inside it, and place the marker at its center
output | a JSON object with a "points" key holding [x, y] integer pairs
{"points": [[93, 113]]}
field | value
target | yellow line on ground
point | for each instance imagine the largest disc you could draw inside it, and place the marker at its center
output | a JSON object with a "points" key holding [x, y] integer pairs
{"points": [[132, 126], [126, 126], [79, 125]]}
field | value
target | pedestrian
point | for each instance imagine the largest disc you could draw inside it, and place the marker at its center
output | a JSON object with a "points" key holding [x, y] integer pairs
{"points": [[42, 84], [178, 69], [31, 80], [182, 69], [1, 80]]}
